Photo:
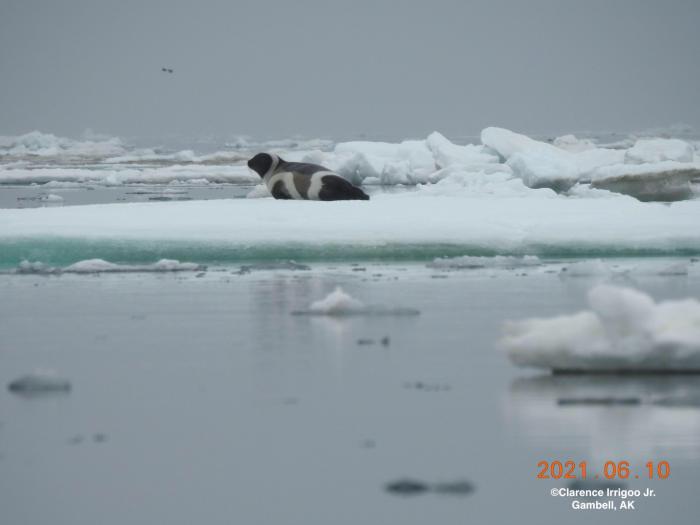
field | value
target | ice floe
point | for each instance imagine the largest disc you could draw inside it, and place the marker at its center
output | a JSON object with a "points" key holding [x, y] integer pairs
{"points": [[543, 224], [102, 266], [624, 331], [647, 168], [339, 303]]}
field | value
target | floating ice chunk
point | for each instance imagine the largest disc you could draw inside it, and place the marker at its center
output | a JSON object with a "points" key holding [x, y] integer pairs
{"points": [[102, 266], [339, 303], [659, 150], [499, 261], [40, 381], [51, 197], [624, 331]]}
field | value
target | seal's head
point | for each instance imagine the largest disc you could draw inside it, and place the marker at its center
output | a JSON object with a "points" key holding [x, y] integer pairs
{"points": [[263, 163]]}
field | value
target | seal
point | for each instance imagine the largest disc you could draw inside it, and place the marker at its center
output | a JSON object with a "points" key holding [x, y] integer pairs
{"points": [[303, 181]]}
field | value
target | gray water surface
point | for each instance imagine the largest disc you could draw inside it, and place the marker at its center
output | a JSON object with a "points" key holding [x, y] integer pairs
{"points": [[203, 400]]}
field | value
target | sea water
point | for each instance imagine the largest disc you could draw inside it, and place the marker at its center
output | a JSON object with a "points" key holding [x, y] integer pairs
{"points": [[199, 397]]}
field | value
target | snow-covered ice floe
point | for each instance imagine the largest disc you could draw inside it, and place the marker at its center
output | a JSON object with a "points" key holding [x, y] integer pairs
{"points": [[409, 225], [39, 382], [339, 303], [624, 331], [102, 266]]}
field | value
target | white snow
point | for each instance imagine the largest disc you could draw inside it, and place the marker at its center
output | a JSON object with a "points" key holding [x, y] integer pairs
{"points": [[51, 198], [337, 303], [623, 330], [505, 163], [573, 144], [40, 144], [502, 224], [659, 150], [102, 266], [117, 176]]}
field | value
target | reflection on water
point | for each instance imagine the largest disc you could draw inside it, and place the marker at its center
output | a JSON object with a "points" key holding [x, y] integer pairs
{"points": [[627, 417]]}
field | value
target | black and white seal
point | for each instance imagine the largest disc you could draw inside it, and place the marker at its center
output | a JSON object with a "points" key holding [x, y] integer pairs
{"points": [[300, 180]]}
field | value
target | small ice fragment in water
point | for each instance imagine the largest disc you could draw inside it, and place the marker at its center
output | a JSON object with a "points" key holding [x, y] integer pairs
{"points": [[40, 381], [337, 303], [51, 198], [406, 487]]}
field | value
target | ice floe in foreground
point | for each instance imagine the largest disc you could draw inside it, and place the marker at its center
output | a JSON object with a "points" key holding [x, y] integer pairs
{"points": [[544, 224], [102, 266], [339, 303], [38, 382], [624, 330]]}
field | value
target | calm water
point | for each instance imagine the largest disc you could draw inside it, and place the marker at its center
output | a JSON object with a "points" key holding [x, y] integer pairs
{"points": [[203, 400]]}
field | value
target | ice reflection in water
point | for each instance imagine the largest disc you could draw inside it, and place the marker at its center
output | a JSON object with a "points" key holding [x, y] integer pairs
{"points": [[617, 417]]}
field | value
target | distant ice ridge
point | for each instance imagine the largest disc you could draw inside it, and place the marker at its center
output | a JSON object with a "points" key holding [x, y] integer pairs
{"points": [[505, 163], [115, 176], [624, 330], [652, 169], [102, 266], [40, 144]]}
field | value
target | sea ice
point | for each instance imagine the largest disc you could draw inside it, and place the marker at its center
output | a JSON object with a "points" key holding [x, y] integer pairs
{"points": [[659, 150], [102, 266], [339, 303], [624, 331]]}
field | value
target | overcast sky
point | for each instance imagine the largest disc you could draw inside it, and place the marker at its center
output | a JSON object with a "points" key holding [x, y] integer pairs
{"points": [[339, 68]]}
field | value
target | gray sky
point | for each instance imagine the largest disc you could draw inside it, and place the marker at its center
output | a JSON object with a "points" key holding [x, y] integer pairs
{"points": [[339, 68]]}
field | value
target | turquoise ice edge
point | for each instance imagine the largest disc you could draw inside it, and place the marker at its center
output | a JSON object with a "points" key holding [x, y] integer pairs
{"points": [[64, 251]]}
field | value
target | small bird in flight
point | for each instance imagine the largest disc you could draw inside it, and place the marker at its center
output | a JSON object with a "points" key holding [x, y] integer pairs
{"points": [[166, 70]]}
